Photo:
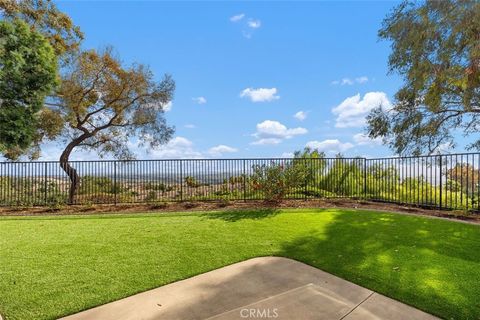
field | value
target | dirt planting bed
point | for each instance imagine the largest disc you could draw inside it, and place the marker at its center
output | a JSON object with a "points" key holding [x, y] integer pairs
{"points": [[224, 205]]}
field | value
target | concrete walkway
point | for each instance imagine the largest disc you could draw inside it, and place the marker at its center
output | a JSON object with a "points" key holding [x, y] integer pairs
{"points": [[259, 288]]}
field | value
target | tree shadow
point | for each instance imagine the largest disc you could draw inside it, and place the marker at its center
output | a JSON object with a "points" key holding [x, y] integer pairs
{"points": [[237, 215], [431, 264]]}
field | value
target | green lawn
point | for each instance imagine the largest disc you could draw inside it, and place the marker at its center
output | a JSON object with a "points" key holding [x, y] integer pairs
{"points": [[54, 266]]}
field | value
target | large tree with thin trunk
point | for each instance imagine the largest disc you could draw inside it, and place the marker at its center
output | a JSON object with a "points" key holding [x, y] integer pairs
{"points": [[101, 105], [436, 50]]}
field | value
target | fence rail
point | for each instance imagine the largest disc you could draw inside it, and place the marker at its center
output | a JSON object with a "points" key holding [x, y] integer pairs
{"points": [[439, 181]]}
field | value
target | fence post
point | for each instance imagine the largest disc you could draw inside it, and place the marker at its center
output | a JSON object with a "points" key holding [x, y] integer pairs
{"points": [[181, 180], [115, 187], [244, 182], [45, 182], [441, 184], [364, 178], [305, 182]]}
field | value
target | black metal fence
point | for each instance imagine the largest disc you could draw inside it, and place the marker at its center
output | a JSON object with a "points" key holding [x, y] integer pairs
{"points": [[440, 181]]}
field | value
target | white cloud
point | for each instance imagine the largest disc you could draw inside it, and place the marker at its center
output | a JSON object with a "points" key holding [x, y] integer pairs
{"points": [[254, 23], [287, 155], [353, 110], [444, 148], [190, 126], [300, 115], [260, 94], [362, 79], [331, 146], [350, 81], [237, 17], [200, 100], [158, 106], [221, 149], [273, 132], [177, 148], [363, 140], [167, 106], [266, 141]]}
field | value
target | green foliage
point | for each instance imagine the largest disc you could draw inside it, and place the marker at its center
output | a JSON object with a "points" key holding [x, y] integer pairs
{"points": [[274, 181], [44, 17], [237, 179], [28, 73], [191, 182], [93, 184], [343, 177], [435, 50], [158, 187], [151, 196]]}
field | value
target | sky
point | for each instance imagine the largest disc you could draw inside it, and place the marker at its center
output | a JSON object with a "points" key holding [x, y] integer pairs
{"points": [[253, 79]]}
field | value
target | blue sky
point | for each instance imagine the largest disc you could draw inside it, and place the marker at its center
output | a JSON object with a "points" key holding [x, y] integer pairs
{"points": [[244, 70]]}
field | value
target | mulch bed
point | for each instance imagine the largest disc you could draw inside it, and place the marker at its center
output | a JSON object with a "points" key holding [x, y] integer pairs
{"points": [[207, 206]]}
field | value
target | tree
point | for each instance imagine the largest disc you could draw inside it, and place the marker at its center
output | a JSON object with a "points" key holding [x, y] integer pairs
{"points": [[102, 105], [436, 50], [466, 177], [28, 72], [44, 17], [309, 164]]}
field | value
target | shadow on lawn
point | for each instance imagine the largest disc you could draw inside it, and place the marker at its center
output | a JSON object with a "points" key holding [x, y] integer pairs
{"points": [[415, 260], [404, 257], [236, 215]]}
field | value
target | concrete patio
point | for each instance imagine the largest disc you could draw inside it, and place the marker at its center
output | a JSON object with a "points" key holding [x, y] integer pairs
{"points": [[268, 288]]}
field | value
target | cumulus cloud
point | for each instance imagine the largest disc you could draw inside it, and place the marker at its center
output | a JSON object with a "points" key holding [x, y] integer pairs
{"points": [[350, 81], [444, 148], [353, 110], [177, 148], [300, 115], [237, 17], [330, 146], [266, 141], [287, 155], [167, 106], [363, 140], [220, 150], [200, 100], [260, 94], [254, 23], [274, 132]]}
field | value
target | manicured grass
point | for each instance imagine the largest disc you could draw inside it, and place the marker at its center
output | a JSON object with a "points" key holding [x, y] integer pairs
{"points": [[54, 266]]}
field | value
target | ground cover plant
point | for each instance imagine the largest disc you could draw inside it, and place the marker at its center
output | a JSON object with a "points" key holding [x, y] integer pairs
{"points": [[54, 266]]}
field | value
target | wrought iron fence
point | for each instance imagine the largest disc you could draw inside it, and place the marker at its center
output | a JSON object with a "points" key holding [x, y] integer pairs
{"points": [[439, 181]]}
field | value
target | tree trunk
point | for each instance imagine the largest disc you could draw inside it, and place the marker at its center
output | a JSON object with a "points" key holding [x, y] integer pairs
{"points": [[69, 170]]}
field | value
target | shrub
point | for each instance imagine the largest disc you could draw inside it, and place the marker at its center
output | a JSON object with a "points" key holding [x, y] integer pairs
{"points": [[91, 184], [151, 196], [275, 180], [158, 187], [191, 182]]}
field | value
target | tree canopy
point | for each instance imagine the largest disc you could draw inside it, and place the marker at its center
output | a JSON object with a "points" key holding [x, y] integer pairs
{"points": [[28, 73], [44, 17], [102, 105], [436, 50]]}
